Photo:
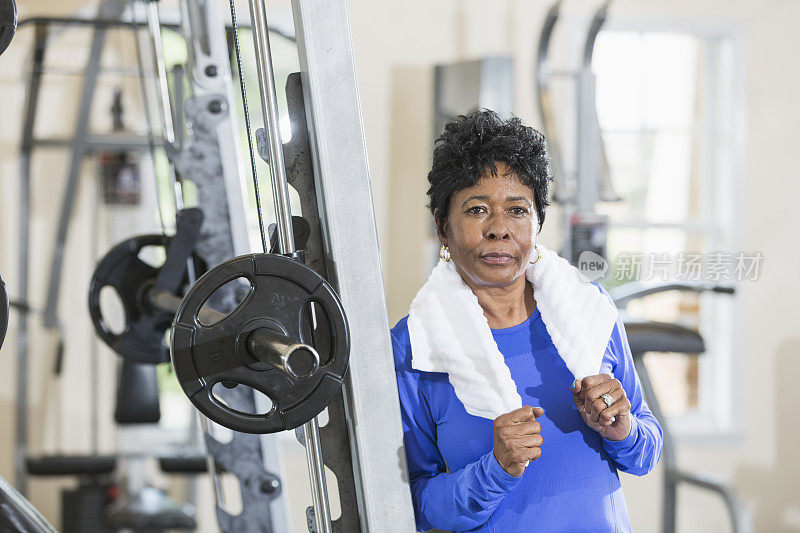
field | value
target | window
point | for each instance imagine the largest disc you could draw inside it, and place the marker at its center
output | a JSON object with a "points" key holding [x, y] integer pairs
{"points": [[668, 105]]}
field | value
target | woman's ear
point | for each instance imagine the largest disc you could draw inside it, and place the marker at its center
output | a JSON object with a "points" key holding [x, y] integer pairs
{"points": [[441, 225]]}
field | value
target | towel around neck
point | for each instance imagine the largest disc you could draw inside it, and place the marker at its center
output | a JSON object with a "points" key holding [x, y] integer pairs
{"points": [[449, 332]]}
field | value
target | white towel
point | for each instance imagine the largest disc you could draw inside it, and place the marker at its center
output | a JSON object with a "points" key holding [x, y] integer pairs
{"points": [[449, 332]]}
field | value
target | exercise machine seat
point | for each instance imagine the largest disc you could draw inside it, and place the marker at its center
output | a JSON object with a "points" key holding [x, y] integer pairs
{"points": [[646, 336], [71, 465]]}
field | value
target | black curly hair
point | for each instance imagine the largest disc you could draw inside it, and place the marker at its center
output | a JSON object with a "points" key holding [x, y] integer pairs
{"points": [[477, 141]]}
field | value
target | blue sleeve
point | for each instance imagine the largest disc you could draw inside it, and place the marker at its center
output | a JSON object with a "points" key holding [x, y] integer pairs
{"points": [[640, 451], [454, 501]]}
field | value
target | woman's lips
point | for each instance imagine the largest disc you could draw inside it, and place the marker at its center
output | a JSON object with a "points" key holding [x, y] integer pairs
{"points": [[497, 259]]}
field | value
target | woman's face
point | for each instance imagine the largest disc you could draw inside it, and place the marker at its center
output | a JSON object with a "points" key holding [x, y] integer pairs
{"points": [[490, 229]]}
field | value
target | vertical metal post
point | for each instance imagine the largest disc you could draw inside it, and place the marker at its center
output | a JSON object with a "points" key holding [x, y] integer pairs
{"points": [[668, 503], [280, 194], [110, 9], [154, 29], [588, 137], [269, 107], [31, 101], [167, 125], [371, 410], [668, 459], [221, 190], [177, 98], [94, 352]]}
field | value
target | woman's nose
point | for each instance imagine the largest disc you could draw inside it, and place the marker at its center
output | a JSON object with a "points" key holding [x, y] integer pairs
{"points": [[496, 228]]}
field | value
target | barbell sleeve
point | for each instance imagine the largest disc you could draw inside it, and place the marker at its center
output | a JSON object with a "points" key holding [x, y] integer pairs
{"points": [[298, 360]]}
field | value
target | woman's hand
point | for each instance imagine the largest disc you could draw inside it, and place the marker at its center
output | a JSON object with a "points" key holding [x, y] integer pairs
{"points": [[517, 439], [611, 422]]}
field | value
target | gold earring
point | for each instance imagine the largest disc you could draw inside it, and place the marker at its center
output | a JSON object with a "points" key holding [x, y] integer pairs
{"points": [[444, 254], [538, 253]]}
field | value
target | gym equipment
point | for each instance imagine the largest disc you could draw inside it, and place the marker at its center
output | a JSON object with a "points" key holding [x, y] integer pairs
{"points": [[284, 227], [253, 459], [624, 294], [363, 437], [149, 509], [81, 506], [8, 23], [80, 143], [587, 180], [648, 336], [136, 282], [3, 311], [140, 506], [18, 515], [329, 95], [271, 329], [119, 173], [71, 465], [90, 506], [137, 395]]}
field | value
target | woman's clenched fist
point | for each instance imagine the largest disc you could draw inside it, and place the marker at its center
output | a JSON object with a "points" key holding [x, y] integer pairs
{"points": [[612, 422], [517, 439]]}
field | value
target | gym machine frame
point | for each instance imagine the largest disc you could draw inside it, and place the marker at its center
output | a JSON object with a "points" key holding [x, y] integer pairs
{"points": [[351, 444], [648, 336], [363, 438], [80, 145], [590, 183], [253, 459]]}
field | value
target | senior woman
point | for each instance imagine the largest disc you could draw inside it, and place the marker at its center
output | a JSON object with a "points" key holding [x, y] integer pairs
{"points": [[513, 443]]}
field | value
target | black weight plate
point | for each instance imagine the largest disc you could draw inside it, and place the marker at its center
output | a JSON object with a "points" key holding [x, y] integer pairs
{"points": [[3, 311], [281, 291], [143, 339], [8, 23]]}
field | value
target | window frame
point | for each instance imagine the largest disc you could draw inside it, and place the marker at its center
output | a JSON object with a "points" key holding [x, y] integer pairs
{"points": [[724, 144]]}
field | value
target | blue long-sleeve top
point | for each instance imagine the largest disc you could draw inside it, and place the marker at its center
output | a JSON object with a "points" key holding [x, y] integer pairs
{"points": [[457, 483]]}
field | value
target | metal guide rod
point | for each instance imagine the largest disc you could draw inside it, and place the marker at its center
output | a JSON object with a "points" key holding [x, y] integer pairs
{"points": [[283, 214], [544, 75], [21, 412], [108, 8], [269, 108], [154, 28], [591, 153], [167, 126]]}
